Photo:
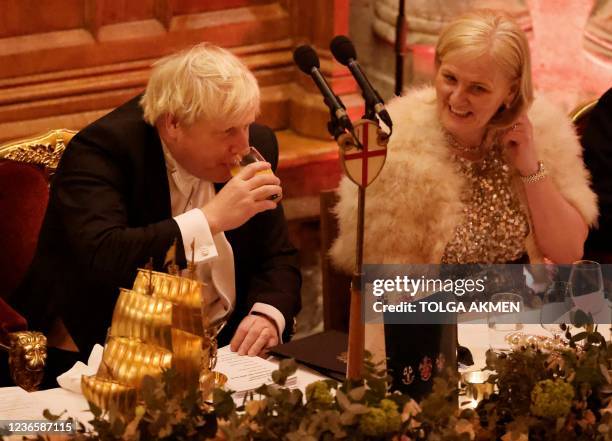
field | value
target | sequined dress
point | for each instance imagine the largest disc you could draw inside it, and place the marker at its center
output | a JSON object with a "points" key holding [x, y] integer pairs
{"points": [[493, 227]]}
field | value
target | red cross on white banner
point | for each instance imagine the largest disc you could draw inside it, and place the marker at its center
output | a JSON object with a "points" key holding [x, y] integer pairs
{"points": [[362, 166]]}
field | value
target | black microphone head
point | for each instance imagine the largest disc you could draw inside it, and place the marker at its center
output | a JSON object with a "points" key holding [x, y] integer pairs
{"points": [[306, 58], [343, 50]]}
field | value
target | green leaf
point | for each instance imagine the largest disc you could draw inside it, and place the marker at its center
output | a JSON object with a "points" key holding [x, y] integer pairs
{"points": [[288, 366], [209, 426], [148, 387], [348, 418], [223, 403], [357, 393], [358, 409], [51, 417], [578, 337], [95, 410], [279, 377], [295, 397], [118, 427], [342, 399], [579, 318]]}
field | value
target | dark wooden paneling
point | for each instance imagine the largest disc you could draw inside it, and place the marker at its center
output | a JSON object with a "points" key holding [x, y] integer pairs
{"points": [[120, 11], [67, 62], [191, 6], [130, 41], [22, 17]]}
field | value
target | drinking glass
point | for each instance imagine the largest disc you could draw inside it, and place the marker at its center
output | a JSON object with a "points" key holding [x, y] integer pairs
{"points": [[252, 156], [588, 289], [504, 322], [555, 306]]}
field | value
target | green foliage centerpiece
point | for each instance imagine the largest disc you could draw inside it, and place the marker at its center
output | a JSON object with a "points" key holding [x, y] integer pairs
{"points": [[558, 394]]}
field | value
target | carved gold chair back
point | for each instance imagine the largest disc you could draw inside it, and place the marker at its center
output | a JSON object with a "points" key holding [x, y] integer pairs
{"points": [[27, 350], [44, 150], [580, 115]]}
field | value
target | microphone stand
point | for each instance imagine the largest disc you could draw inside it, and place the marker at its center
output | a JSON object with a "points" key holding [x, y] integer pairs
{"points": [[356, 336], [400, 48]]}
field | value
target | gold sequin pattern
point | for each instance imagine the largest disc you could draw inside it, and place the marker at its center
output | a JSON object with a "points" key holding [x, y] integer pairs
{"points": [[494, 227]]}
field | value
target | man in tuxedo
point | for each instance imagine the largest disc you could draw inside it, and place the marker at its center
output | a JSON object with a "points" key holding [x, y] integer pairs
{"points": [[154, 170]]}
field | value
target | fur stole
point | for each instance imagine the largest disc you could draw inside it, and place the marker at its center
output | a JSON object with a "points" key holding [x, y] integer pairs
{"points": [[414, 206]]}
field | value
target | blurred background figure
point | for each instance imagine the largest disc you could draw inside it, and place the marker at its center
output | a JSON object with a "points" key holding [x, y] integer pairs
{"points": [[597, 143]]}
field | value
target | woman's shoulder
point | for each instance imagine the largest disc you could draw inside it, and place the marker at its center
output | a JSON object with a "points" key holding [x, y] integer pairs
{"points": [[416, 126], [558, 147], [545, 111], [552, 126], [416, 104], [551, 121]]}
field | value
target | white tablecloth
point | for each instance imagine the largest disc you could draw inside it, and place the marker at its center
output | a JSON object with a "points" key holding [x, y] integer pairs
{"points": [[18, 404], [15, 403]]}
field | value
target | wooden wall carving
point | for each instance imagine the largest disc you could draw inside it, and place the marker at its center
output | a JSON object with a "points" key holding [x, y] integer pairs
{"points": [[67, 62]]}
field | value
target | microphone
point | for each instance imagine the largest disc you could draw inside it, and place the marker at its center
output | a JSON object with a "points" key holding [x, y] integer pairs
{"points": [[308, 61], [344, 52]]}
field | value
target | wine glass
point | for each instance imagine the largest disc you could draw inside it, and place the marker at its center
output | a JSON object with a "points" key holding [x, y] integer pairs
{"points": [[504, 320], [556, 303], [588, 289], [252, 156]]}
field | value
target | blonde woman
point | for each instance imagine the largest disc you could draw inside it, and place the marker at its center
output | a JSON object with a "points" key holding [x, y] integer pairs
{"points": [[478, 171]]}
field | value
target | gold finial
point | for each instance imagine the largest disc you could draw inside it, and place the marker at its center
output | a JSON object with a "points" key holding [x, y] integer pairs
{"points": [[191, 264], [149, 268], [170, 260]]}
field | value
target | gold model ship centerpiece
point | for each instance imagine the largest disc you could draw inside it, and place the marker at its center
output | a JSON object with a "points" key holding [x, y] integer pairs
{"points": [[163, 322]]}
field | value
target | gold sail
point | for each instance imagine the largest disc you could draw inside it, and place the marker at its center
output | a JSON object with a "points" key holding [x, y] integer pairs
{"points": [[155, 326]]}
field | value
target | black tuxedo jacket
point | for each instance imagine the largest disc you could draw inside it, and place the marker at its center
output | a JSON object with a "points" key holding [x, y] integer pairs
{"points": [[109, 212], [597, 143]]}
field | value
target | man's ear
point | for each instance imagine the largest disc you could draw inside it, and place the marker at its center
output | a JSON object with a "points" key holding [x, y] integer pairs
{"points": [[168, 127]]}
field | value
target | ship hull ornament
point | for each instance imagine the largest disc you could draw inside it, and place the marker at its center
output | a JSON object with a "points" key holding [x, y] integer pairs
{"points": [[162, 323]]}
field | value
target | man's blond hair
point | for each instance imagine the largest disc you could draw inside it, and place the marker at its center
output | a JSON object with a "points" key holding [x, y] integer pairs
{"points": [[203, 82]]}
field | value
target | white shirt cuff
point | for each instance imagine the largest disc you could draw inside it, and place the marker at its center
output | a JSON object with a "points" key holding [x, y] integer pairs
{"points": [[274, 314], [194, 225]]}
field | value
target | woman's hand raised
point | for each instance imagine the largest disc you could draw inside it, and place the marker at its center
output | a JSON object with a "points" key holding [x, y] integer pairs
{"points": [[518, 144]]}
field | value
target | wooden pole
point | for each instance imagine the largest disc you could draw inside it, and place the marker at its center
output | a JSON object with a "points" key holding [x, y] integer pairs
{"points": [[356, 338]]}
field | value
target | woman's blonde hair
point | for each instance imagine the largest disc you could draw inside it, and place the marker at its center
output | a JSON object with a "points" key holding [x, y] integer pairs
{"points": [[204, 81], [495, 34]]}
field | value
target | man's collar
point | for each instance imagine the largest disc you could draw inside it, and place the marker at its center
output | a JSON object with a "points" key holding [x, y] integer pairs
{"points": [[185, 182]]}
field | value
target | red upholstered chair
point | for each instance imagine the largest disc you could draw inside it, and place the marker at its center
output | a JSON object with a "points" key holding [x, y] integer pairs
{"points": [[24, 193], [25, 169]]}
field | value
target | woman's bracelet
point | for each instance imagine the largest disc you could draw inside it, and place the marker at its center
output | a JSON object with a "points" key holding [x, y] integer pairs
{"points": [[540, 174]]}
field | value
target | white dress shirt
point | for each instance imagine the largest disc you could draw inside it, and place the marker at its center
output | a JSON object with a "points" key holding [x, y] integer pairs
{"points": [[213, 255]]}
